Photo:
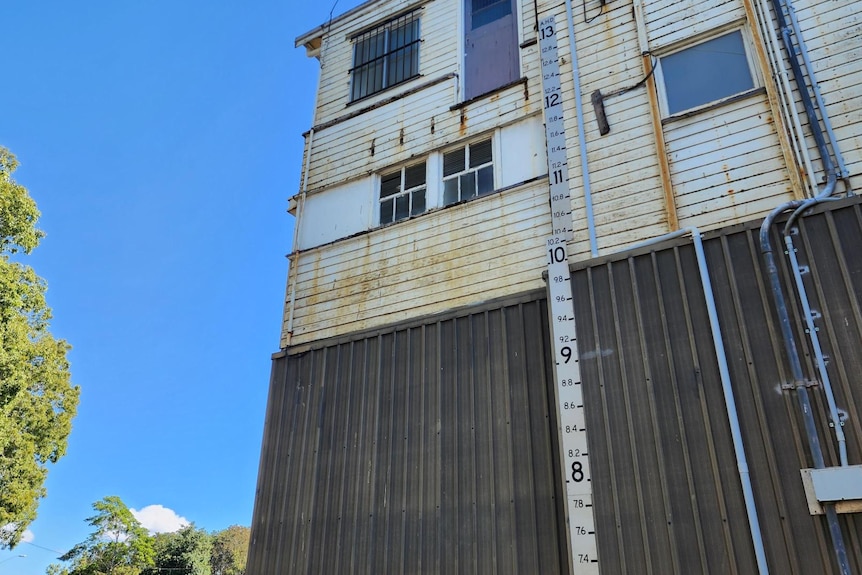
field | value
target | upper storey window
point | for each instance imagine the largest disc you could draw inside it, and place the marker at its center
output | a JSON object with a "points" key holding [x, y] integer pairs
{"points": [[706, 72], [402, 193], [468, 172], [385, 56]]}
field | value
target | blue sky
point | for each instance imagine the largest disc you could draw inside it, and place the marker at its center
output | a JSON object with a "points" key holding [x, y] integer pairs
{"points": [[161, 140]]}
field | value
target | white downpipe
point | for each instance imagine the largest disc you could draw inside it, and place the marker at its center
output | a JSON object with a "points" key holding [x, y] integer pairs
{"points": [[294, 265], [788, 104], [727, 388], [582, 139]]}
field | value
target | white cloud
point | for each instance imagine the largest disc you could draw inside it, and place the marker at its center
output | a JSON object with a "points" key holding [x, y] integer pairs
{"points": [[160, 519], [26, 537]]}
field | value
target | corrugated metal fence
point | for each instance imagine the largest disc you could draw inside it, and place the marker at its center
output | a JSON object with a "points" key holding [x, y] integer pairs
{"points": [[421, 449], [430, 447], [667, 490]]}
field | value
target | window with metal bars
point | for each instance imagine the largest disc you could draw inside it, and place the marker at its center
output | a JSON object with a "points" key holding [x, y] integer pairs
{"points": [[385, 56], [468, 172], [402, 193]]}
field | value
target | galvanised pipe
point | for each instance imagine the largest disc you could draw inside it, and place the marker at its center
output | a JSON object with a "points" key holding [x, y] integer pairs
{"points": [[727, 389]]}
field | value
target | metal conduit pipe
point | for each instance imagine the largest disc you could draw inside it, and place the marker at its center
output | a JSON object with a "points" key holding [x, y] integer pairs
{"points": [[775, 283], [815, 87], [727, 388], [788, 105], [798, 78], [812, 331], [582, 139], [796, 365]]}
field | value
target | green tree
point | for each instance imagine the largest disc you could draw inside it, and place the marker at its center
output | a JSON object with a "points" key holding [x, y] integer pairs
{"points": [[37, 400], [185, 552], [118, 545], [230, 550]]}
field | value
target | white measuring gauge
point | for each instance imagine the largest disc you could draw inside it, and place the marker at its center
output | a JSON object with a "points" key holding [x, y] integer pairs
{"points": [[570, 402]]}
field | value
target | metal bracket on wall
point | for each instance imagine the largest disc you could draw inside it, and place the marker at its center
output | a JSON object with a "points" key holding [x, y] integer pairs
{"points": [[798, 384]]}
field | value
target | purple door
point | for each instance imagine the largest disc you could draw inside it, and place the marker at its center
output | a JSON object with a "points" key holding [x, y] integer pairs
{"points": [[490, 46]]}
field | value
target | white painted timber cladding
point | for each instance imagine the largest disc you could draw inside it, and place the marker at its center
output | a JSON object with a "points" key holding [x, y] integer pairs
{"points": [[338, 213], [343, 210], [628, 202], [461, 255], [833, 33], [726, 163]]}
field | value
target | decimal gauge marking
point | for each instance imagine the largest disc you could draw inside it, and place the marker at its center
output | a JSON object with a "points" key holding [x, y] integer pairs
{"points": [[570, 403]]}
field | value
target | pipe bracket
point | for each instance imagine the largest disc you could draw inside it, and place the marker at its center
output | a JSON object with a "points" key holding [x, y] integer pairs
{"points": [[798, 384]]}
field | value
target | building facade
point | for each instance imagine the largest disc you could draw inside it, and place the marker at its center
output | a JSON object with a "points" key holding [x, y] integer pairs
{"points": [[413, 422]]}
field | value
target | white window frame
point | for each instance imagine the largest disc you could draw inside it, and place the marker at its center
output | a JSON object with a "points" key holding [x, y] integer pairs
{"points": [[401, 193], [495, 177], [661, 88]]}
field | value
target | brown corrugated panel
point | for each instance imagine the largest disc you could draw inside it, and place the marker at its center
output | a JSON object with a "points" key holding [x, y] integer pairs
{"points": [[423, 448], [668, 496]]}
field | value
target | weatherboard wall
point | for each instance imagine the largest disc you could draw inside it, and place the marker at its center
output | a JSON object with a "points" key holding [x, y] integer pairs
{"points": [[833, 35], [420, 448], [463, 254], [726, 164]]}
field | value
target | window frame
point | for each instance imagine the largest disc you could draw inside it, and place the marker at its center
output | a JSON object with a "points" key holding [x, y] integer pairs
{"points": [[357, 69], [689, 43], [402, 171], [466, 146]]}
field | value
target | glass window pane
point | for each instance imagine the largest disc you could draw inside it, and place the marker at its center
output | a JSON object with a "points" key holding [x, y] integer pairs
{"points": [[707, 72], [418, 204], [450, 191], [453, 162], [486, 11], [402, 207], [480, 153], [486, 180], [468, 185], [390, 184], [385, 56], [414, 176], [386, 211]]}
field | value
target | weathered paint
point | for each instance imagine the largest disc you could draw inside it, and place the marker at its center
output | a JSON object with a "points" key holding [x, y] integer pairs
{"points": [[455, 256], [713, 168], [833, 34], [667, 493], [427, 446]]}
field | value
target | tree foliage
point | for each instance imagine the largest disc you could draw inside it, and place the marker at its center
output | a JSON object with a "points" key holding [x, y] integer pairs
{"points": [[185, 552], [118, 545], [37, 400], [230, 550]]}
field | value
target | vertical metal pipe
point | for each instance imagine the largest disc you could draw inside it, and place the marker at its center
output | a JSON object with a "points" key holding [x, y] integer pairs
{"points": [[788, 104], [798, 78], [818, 350], [796, 366], [727, 389], [582, 139], [730, 402], [815, 87]]}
